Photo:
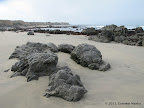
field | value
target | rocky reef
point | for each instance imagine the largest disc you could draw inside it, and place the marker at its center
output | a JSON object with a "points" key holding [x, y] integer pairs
{"points": [[119, 34]]}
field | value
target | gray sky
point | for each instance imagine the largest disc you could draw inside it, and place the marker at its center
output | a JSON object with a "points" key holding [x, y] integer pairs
{"points": [[100, 12]]}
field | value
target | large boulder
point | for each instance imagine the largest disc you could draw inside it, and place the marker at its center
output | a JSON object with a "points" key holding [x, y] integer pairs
{"points": [[90, 31], [88, 56], [64, 84], [31, 47], [67, 48], [36, 65], [52, 47], [117, 31]]}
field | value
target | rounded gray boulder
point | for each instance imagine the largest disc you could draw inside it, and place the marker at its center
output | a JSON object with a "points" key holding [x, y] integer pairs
{"points": [[88, 56], [67, 48]]}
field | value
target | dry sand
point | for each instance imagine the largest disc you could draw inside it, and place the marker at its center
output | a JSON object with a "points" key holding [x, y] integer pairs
{"points": [[124, 82]]}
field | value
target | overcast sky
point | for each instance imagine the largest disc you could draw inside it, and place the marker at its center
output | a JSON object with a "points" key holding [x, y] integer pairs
{"points": [[100, 12]]}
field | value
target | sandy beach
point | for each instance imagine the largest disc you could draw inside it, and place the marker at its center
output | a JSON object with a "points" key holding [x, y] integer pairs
{"points": [[123, 83]]}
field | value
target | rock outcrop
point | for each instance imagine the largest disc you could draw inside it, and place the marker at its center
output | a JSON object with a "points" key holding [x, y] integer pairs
{"points": [[119, 34], [31, 47], [109, 27], [66, 48], [139, 30], [64, 84], [105, 37], [37, 60], [89, 56], [119, 39], [90, 31], [35, 65]]}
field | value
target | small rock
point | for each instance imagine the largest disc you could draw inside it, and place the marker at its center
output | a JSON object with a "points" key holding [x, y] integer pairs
{"points": [[104, 67], [7, 70], [30, 33]]}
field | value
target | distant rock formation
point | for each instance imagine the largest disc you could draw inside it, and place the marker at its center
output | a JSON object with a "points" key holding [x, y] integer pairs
{"points": [[19, 23], [90, 31], [105, 36], [119, 34]]}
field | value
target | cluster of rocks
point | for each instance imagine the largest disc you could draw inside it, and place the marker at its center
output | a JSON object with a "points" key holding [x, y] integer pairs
{"points": [[38, 59], [90, 31], [58, 32], [86, 55], [119, 34]]}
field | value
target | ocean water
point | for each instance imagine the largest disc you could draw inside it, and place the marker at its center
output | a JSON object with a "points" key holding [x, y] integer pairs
{"points": [[81, 27]]}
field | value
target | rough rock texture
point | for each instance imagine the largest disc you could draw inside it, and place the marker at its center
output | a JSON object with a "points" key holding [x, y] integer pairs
{"points": [[35, 65], [109, 27], [90, 31], [105, 36], [88, 56], [64, 84], [133, 40], [119, 34], [31, 47], [120, 31], [30, 33], [143, 43], [139, 30], [52, 47], [67, 48], [37, 60], [119, 39]]}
